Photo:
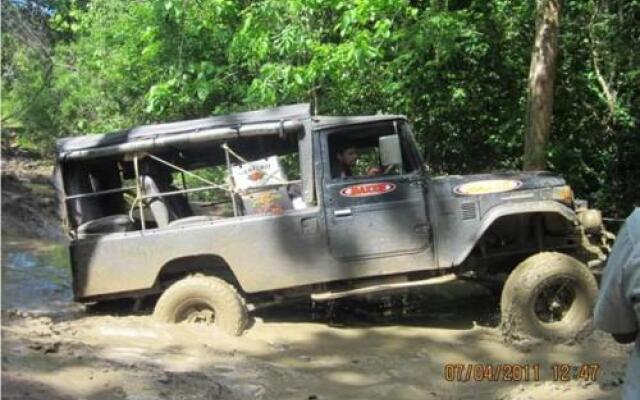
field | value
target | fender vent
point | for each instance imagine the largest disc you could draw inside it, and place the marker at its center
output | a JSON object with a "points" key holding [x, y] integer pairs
{"points": [[468, 211]]}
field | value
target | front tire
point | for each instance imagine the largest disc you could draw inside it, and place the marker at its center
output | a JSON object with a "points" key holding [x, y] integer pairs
{"points": [[205, 299], [550, 296]]}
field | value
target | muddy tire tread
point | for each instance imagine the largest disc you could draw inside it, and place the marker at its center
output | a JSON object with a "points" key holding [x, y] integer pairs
{"points": [[231, 314], [516, 323]]}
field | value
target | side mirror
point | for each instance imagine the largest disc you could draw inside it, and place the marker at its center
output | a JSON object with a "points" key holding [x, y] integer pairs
{"points": [[390, 153]]}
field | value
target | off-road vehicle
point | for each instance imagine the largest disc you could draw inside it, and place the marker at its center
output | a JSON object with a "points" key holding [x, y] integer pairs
{"points": [[224, 214]]}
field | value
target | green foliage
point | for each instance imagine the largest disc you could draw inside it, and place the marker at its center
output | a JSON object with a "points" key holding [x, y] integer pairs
{"points": [[217, 175], [596, 146], [458, 69]]}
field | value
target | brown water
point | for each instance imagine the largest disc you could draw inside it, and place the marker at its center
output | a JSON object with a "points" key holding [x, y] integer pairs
{"points": [[35, 276], [398, 348]]}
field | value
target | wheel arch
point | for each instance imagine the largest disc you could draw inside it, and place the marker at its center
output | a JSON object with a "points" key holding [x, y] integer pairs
{"points": [[207, 264], [496, 215]]}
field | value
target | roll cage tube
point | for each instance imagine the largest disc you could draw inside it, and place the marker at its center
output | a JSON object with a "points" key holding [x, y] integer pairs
{"points": [[141, 196]]}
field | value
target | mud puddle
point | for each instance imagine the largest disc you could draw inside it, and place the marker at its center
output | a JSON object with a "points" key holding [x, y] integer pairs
{"points": [[398, 347], [35, 276]]}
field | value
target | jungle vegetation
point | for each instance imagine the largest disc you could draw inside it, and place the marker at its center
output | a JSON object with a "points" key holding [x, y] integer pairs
{"points": [[466, 73]]}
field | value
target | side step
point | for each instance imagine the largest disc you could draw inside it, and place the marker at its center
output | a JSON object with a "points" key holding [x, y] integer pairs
{"points": [[383, 287]]}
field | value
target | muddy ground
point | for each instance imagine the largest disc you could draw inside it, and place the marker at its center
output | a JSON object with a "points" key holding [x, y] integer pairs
{"points": [[53, 348], [29, 208]]}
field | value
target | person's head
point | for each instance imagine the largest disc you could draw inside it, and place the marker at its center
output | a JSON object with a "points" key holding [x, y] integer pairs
{"points": [[347, 155]]}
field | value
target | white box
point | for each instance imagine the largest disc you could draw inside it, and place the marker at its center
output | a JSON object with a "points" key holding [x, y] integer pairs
{"points": [[255, 174]]}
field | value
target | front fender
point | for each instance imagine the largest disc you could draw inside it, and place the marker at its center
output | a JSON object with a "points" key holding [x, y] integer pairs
{"points": [[469, 236]]}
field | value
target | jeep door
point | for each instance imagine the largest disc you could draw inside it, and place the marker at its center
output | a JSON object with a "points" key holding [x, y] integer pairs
{"points": [[374, 213]]}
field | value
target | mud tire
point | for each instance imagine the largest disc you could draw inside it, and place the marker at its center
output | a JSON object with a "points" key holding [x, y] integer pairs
{"points": [[204, 292], [524, 287]]}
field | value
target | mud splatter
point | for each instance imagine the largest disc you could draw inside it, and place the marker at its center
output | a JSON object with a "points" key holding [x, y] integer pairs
{"points": [[375, 349]]}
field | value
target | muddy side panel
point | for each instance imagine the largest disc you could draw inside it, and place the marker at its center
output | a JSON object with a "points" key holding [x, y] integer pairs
{"points": [[265, 253]]}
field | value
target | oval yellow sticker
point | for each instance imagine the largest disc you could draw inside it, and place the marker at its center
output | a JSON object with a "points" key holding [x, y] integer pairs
{"points": [[487, 186]]}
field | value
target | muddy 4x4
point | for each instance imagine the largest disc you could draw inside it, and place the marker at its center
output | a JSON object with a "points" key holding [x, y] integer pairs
{"points": [[221, 215]]}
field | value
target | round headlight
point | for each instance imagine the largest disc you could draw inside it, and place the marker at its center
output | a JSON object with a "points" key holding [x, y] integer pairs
{"points": [[591, 220]]}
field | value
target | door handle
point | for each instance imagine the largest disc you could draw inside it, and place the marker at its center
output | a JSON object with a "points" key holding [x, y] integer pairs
{"points": [[345, 212]]}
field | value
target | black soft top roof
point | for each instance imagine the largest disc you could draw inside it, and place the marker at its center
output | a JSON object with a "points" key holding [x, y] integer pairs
{"points": [[328, 122], [297, 112]]}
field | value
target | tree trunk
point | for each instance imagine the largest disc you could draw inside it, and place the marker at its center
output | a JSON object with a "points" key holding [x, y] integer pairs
{"points": [[541, 77]]}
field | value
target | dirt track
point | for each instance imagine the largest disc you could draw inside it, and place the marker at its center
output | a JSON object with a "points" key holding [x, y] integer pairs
{"points": [[54, 349]]}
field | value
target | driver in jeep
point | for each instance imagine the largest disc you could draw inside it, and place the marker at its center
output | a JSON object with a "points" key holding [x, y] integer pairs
{"points": [[345, 159]]}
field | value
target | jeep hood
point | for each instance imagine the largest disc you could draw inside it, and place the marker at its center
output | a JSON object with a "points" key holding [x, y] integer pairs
{"points": [[479, 184]]}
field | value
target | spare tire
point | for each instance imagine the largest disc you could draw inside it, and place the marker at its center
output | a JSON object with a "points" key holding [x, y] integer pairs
{"points": [[550, 296], [205, 299]]}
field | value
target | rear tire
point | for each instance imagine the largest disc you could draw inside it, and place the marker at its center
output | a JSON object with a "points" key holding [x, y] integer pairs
{"points": [[550, 296], [205, 299]]}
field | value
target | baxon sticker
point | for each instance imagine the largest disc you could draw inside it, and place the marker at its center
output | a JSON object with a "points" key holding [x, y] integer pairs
{"points": [[488, 186], [368, 189]]}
